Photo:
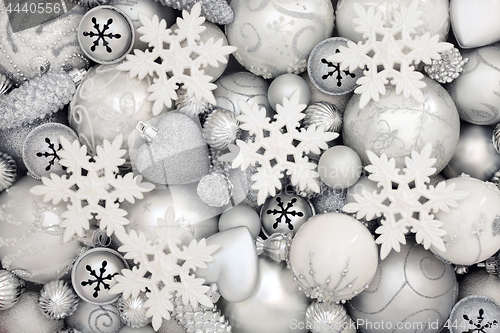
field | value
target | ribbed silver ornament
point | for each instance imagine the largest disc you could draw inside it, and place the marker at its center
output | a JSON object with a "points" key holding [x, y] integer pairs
{"points": [[326, 317], [132, 311], [57, 300], [5, 84], [220, 128], [8, 171], [200, 319], [496, 138], [323, 114], [11, 287]]}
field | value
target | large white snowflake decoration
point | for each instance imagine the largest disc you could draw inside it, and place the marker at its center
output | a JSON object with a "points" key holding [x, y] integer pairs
{"points": [[409, 207], [391, 51], [176, 58], [279, 146], [92, 188], [163, 270]]}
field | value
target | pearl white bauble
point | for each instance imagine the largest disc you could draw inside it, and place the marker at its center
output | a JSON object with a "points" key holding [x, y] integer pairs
{"points": [[240, 215], [410, 286], [363, 184], [396, 125], [31, 241], [340, 167], [275, 37], [473, 228], [333, 257], [286, 85]]}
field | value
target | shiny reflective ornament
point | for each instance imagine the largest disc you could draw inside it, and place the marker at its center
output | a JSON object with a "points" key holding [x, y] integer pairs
{"points": [[286, 85], [8, 171], [396, 126], [333, 257], [475, 23], [276, 37], [276, 304], [238, 216], [93, 275], [473, 228], [327, 76], [475, 154], [285, 213], [275, 247], [435, 16], [220, 128], [323, 114], [340, 167], [190, 106], [133, 312], [106, 34], [326, 317], [241, 85], [411, 287], [93, 318], [235, 267], [57, 300], [149, 7], [11, 288], [41, 147], [448, 68], [475, 90], [108, 103], [31, 242], [475, 314]]}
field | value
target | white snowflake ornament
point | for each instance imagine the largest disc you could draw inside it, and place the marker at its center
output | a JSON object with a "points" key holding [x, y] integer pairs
{"points": [[405, 202], [176, 58], [92, 188], [279, 147], [391, 51], [163, 270]]}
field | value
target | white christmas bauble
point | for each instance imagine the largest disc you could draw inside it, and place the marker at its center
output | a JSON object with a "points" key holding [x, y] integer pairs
{"points": [[475, 91], [396, 125], [286, 85], [474, 226], [340, 167], [363, 184], [240, 215], [333, 257], [411, 287], [108, 103], [92, 318], [275, 37], [435, 16], [31, 241]]}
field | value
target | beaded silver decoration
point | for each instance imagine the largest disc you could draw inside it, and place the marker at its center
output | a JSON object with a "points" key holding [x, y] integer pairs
{"points": [[57, 300], [448, 68], [8, 171], [214, 190]]}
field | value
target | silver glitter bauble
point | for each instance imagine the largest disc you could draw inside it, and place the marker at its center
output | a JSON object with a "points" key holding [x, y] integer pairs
{"points": [[329, 199], [448, 68], [200, 319], [326, 317], [323, 114], [220, 129], [214, 190], [132, 311], [5, 84], [57, 300], [11, 288], [8, 171]]}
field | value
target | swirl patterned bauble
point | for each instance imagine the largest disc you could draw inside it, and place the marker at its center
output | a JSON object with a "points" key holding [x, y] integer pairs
{"points": [[411, 291], [396, 125], [31, 242], [91, 318], [275, 37], [476, 90]]}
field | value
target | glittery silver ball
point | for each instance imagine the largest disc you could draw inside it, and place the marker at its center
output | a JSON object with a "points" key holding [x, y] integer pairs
{"points": [[326, 317], [11, 287], [8, 171], [448, 68], [323, 114], [57, 300], [220, 129], [5, 84], [329, 199], [132, 311], [214, 190]]}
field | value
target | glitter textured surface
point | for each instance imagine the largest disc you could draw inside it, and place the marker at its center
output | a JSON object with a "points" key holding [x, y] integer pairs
{"points": [[217, 11]]}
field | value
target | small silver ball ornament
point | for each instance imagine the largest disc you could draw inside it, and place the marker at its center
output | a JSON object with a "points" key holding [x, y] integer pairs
{"points": [[132, 311], [57, 300], [323, 114], [11, 288], [326, 317], [220, 129], [8, 171]]}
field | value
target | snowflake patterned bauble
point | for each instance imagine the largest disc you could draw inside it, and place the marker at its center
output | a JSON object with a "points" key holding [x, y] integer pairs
{"points": [[285, 213], [161, 284], [276, 37], [476, 92], [333, 257], [93, 189], [478, 314], [176, 58], [31, 239], [405, 202], [278, 153], [108, 103], [396, 125], [411, 287], [391, 51], [472, 228]]}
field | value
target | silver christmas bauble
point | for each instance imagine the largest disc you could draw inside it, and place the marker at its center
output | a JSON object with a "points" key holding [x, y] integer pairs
{"points": [[220, 128], [475, 314], [8, 171], [57, 300], [326, 317], [11, 288], [133, 312], [323, 114], [329, 199], [479, 282], [286, 85], [92, 318]]}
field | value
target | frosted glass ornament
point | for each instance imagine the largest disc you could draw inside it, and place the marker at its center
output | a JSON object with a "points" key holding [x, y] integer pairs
{"points": [[275, 37], [31, 241], [474, 226]]}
